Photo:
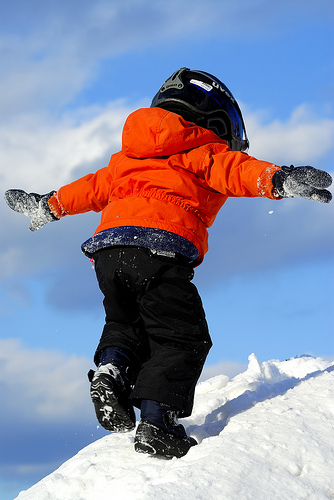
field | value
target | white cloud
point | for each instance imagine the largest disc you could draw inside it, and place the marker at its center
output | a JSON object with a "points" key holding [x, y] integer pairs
{"points": [[50, 54], [47, 59], [37, 155], [304, 138], [42, 386], [38, 385]]}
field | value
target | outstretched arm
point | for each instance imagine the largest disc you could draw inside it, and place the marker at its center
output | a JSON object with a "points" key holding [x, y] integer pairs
{"points": [[90, 192], [237, 174]]}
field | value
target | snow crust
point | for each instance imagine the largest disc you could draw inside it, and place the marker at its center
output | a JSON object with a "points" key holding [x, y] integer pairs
{"points": [[268, 433]]}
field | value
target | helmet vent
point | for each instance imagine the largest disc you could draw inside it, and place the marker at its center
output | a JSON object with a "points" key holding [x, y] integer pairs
{"points": [[175, 81]]}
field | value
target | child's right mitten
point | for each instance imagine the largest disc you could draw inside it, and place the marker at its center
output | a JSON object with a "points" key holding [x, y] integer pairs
{"points": [[302, 182]]}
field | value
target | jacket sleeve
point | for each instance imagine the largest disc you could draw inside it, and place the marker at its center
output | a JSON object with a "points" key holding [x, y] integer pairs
{"points": [[233, 173], [89, 193]]}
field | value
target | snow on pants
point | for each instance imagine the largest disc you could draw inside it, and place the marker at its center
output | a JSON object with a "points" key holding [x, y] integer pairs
{"points": [[155, 313]]}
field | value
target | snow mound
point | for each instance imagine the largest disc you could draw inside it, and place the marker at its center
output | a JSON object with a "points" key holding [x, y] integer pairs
{"points": [[266, 433]]}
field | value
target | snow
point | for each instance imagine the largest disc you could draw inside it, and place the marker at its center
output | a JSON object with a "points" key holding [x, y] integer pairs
{"points": [[267, 433]]}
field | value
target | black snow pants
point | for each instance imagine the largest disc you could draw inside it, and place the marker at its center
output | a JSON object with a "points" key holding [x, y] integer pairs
{"points": [[155, 314]]}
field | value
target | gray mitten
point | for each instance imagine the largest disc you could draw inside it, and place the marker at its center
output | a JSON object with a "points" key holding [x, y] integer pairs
{"points": [[32, 205], [302, 182]]}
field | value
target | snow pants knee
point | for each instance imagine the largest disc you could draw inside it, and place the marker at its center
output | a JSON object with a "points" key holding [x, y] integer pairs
{"points": [[155, 313]]}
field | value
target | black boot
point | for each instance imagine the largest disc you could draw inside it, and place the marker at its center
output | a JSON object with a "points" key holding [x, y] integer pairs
{"points": [[159, 432], [110, 390]]}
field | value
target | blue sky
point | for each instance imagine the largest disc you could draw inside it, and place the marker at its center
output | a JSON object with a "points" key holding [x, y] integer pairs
{"points": [[71, 71]]}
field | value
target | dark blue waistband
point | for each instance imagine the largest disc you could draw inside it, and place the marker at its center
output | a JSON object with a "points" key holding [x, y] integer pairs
{"points": [[157, 240]]}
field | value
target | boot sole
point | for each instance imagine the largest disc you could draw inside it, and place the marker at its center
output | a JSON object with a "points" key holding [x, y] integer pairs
{"points": [[113, 412]]}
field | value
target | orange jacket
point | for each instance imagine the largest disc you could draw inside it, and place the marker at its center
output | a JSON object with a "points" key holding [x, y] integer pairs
{"points": [[170, 174]]}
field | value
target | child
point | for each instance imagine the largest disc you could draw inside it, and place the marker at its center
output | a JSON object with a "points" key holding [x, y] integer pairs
{"points": [[180, 161]]}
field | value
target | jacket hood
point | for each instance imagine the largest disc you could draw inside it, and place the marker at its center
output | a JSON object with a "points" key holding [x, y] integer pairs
{"points": [[152, 132]]}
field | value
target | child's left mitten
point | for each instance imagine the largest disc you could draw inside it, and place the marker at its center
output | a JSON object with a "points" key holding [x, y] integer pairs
{"points": [[32, 205]]}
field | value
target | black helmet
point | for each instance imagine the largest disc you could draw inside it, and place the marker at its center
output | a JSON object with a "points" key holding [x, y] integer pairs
{"points": [[203, 99]]}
